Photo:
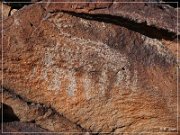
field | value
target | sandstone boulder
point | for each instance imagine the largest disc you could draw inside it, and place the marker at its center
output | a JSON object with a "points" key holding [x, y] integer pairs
{"points": [[92, 65]]}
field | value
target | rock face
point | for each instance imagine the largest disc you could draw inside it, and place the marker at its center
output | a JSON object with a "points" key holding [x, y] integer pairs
{"points": [[93, 68], [149, 14], [37, 113], [4, 12], [22, 127]]}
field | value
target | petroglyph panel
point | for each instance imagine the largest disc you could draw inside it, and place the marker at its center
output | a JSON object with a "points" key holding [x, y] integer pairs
{"points": [[95, 72], [99, 75]]}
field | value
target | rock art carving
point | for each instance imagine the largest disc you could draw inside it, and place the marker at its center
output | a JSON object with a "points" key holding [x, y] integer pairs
{"points": [[91, 67]]}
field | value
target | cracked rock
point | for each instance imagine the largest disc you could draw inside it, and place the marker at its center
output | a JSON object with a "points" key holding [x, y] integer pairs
{"points": [[92, 67]]}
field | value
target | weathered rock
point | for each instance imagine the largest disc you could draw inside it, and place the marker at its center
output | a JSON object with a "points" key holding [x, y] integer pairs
{"points": [[8, 114], [101, 75], [4, 11], [10, 127], [155, 15], [17, 4], [43, 116]]}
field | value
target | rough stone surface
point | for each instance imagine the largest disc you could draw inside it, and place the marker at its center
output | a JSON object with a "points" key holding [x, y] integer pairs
{"points": [[4, 11], [11, 127], [149, 14], [100, 75], [42, 116]]}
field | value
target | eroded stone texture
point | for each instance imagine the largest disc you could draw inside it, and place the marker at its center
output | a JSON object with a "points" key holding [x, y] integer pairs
{"points": [[150, 14], [99, 75], [20, 127], [4, 11], [45, 117]]}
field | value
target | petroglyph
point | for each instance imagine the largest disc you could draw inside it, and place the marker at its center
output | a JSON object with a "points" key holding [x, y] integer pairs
{"points": [[95, 81], [103, 52], [126, 80], [72, 85], [87, 84], [103, 83], [48, 59], [56, 81], [134, 82]]}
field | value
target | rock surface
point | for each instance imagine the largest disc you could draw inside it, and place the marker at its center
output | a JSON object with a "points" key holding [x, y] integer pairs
{"points": [[4, 11], [150, 14], [21, 127], [43, 116], [100, 73]]}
